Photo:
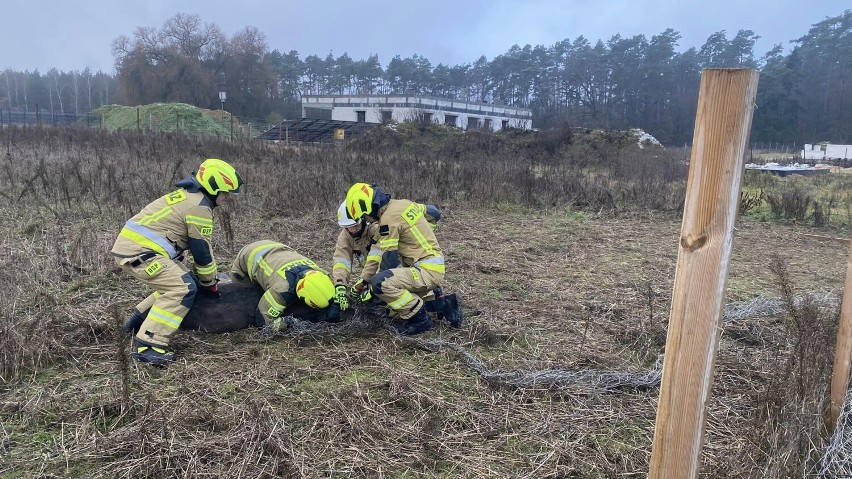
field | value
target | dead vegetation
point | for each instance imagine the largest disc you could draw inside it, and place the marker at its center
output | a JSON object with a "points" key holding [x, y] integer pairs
{"points": [[556, 268]]}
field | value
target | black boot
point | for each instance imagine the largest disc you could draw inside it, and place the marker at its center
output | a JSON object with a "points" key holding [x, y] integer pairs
{"points": [[134, 322], [155, 355], [416, 324], [451, 309]]}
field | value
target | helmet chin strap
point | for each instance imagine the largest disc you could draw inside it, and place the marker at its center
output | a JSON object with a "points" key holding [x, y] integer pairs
{"points": [[360, 231]]}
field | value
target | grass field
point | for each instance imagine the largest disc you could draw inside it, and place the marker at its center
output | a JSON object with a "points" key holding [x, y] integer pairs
{"points": [[564, 260]]}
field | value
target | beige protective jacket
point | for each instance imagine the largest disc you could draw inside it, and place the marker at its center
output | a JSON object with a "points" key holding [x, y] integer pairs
{"points": [[170, 225]]}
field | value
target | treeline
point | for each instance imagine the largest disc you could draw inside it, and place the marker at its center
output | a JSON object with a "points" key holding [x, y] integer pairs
{"points": [[804, 95], [76, 91]]}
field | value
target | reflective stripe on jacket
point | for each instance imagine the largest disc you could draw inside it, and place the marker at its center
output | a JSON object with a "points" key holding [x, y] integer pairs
{"points": [[179, 221]]}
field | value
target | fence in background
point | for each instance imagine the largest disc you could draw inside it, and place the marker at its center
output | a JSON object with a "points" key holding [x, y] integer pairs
{"points": [[49, 118]]}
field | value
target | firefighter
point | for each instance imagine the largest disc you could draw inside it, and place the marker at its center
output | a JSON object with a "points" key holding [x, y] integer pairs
{"points": [[411, 265], [357, 243], [286, 277], [151, 247]]}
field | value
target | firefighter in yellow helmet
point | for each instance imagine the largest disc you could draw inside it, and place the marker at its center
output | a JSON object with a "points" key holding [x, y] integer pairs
{"points": [[151, 247], [411, 265], [358, 245], [286, 277]]}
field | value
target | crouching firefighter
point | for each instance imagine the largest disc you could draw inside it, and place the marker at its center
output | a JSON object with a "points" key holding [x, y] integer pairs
{"points": [[358, 245], [411, 267], [151, 247], [286, 277]]}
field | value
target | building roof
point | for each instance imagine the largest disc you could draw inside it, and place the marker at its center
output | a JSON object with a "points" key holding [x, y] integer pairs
{"points": [[418, 101], [310, 130]]}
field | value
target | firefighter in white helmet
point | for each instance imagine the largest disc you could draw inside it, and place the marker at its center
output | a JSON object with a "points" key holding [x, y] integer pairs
{"points": [[411, 265], [151, 247], [358, 245], [286, 277]]}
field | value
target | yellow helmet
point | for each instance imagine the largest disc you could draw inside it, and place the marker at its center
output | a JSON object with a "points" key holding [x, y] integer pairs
{"points": [[216, 176], [315, 289], [359, 200]]}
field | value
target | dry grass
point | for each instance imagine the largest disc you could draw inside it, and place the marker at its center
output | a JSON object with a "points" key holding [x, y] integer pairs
{"points": [[544, 287]]}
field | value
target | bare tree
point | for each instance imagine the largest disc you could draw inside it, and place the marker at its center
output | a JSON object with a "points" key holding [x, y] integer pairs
{"points": [[8, 88], [75, 82], [87, 76]]}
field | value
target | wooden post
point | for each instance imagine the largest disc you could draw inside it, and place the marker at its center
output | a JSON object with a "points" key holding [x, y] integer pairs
{"points": [[843, 350], [722, 126], [138, 122]]}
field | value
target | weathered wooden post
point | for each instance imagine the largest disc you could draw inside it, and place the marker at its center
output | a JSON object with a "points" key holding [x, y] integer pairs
{"points": [[722, 126], [843, 350]]}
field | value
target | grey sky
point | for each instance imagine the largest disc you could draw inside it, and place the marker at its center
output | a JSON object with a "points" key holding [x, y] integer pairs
{"points": [[72, 35]]}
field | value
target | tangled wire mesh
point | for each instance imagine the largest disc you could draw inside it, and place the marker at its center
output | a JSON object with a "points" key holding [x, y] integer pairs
{"points": [[370, 318], [766, 305], [837, 459]]}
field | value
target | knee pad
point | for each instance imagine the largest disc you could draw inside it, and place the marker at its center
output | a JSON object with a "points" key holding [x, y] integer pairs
{"points": [[378, 279]]}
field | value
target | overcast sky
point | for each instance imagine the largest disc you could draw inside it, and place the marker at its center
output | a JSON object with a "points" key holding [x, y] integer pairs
{"points": [[73, 34]]}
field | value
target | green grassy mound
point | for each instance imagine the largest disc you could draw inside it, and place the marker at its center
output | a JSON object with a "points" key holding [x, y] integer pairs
{"points": [[165, 117]]}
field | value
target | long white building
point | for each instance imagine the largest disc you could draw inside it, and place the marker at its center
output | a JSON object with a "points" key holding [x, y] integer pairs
{"points": [[383, 108], [827, 151]]}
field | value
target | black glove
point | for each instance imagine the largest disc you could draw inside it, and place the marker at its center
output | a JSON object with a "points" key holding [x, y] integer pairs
{"points": [[211, 291], [340, 297]]}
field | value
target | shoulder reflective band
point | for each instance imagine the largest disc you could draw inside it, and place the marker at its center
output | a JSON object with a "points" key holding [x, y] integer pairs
{"points": [[256, 254], [147, 238]]}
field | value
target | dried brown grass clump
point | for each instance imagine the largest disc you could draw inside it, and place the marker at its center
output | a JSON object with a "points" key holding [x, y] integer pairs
{"points": [[790, 402]]}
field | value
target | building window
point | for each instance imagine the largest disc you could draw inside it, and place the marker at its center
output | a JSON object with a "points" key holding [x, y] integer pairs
{"points": [[486, 124], [387, 115], [427, 117], [362, 116], [450, 119], [472, 123], [505, 124]]}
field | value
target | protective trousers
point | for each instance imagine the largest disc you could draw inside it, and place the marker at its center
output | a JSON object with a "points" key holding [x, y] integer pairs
{"points": [[403, 289], [174, 292]]}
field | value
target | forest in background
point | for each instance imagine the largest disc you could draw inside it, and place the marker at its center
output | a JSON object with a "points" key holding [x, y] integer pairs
{"points": [[804, 95]]}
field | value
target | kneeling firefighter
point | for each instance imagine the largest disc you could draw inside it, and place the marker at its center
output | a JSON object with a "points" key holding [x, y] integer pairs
{"points": [[411, 265], [286, 277]]}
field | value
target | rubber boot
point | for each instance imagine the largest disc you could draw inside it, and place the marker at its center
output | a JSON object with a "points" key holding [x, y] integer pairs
{"points": [[148, 353], [416, 324]]}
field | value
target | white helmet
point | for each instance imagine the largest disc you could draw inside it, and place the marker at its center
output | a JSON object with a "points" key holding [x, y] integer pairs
{"points": [[343, 218]]}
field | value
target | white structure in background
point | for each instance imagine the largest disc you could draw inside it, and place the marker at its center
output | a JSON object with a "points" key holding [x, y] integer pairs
{"points": [[827, 151], [383, 108]]}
